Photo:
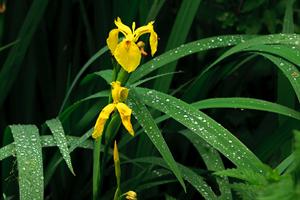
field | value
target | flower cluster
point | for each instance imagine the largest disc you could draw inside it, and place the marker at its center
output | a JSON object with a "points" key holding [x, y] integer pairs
{"points": [[128, 54]]}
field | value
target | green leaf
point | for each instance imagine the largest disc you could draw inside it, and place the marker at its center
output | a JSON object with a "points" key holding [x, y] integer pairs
{"points": [[7, 151], [247, 103], [79, 74], [16, 55], [8, 45], [72, 107], [244, 174], [61, 140], [189, 175], [30, 163], [287, 39], [205, 127], [289, 70], [49, 141], [211, 159], [289, 53], [288, 21], [184, 50], [105, 74], [145, 119]]}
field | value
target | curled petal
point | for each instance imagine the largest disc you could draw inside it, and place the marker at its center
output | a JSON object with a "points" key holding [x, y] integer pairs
{"points": [[153, 40], [125, 114], [118, 92], [112, 40], [143, 30], [122, 27], [128, 55], [102, 118]]}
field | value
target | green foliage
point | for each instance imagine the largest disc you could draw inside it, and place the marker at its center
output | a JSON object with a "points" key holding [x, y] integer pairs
{"points": [[214, 111]]}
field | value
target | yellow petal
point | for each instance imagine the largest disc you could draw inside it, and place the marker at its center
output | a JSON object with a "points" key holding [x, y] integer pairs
{"points": [[112, 40], [128, 55], [125, 113], [102, 118], [122, 27], [133, 26], [153, 42], [143, 30], [118, 92]]}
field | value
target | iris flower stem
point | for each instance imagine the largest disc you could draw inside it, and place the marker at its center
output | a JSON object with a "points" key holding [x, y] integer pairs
{"points": [[96, 168], [110, 133]]}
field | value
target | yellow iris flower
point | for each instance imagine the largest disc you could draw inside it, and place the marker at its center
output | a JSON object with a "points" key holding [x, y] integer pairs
{"points": [[128, 52], [119, 95]]}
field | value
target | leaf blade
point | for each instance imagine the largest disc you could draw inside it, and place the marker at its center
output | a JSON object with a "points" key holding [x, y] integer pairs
{"points": [[30, 164]]}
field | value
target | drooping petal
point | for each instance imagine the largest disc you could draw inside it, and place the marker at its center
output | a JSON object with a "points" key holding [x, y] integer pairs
{"points": [[118, 92], [102, 118], [153, 40], [125, 114], [143, 30], [112, 40], [128, 55], [122, 27]]}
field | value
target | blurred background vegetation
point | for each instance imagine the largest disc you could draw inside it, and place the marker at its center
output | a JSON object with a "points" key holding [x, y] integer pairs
{"points": [[54, 39]]}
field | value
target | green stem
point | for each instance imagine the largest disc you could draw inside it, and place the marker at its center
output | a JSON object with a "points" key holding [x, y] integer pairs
{"points": [[123, 76], [96, 168], [117, 194], [109, 134]]}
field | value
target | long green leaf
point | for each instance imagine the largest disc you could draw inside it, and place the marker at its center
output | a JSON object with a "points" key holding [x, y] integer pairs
{"points": [[288, 69], [287, 39], [61, 140], [290, 53], [145, 119], [30, 163], [247, 103], [184, 50], [286, 96], [211, 159], [205, 127], [13, 62]]}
